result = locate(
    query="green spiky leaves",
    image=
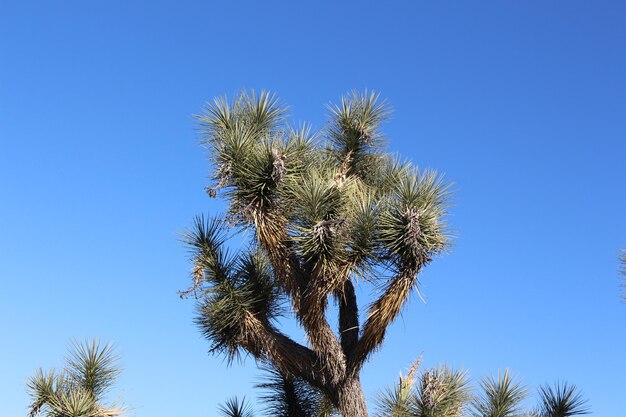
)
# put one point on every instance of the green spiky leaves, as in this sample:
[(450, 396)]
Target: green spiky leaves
[(562, 400), (412, 226), (251, 151), (354, 131), (288, 396), (76, 391), (260, 114), (236, 408), (322, 210), (231, 288), (93, 367), (502, 397), (444, 392), (437, 392), (342, 202)]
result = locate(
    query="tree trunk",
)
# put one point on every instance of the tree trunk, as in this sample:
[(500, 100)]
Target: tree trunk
[(351, 400)]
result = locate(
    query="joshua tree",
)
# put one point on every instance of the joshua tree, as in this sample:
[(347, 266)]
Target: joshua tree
[(323, 210), (501, 397), (236, 408), (438, 392), (77, 390), (443, 392), (561, 401)]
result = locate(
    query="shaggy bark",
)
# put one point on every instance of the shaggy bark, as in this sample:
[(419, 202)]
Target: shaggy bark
[(350, 398), (348, 318), (382, 313)]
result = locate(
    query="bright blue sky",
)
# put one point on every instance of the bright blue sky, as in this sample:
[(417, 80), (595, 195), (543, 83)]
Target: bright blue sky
[(520, 103)]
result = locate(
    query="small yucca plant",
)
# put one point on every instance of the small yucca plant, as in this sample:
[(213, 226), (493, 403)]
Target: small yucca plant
[(78, 389), (562, 400), (437, 392), (501, 396), (443, 392)]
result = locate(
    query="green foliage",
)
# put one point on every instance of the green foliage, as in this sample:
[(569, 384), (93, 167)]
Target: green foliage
[(501, 397), (320, 210), (411, 226), (398, 400), (76, 391), (562, 400), (263, 166), (283, 396), (229, 287), (438, 392), (354, 132), (443, 392), (341, 203), (288, 396), (235, 408), (91, 367)]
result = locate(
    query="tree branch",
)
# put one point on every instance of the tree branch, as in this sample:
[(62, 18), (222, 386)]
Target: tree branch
[(348, 318), (308, 303), (265, 342), (321, 336), (274, 240), (382, 313)]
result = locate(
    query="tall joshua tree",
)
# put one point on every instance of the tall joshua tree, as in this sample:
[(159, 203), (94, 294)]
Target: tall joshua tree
[(323, 210)]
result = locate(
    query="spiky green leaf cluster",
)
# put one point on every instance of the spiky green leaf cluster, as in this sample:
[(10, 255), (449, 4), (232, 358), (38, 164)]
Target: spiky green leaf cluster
[(412, 225), (231, 287), (346, 203), (397, 400), (282, 396), (288, 396), (443, 392), (236, 408), (354, 132), (76, 391), (562, 400), (438, 392), (502, 396)]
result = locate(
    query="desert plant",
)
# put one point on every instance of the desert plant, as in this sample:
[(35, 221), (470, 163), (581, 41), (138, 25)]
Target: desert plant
[(443, 392), (501, 397), (562, 400), (323, 210), (397, 400), (282, 396), (288, 396), (437, 392), (236, 408), (77, 390)]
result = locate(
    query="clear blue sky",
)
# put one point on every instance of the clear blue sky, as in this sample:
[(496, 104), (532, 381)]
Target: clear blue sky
[(521, 103)]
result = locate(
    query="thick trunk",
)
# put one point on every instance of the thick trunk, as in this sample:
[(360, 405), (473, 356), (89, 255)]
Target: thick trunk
[(350, 398)]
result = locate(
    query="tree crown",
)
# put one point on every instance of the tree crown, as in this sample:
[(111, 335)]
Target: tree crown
[(323, 209)]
